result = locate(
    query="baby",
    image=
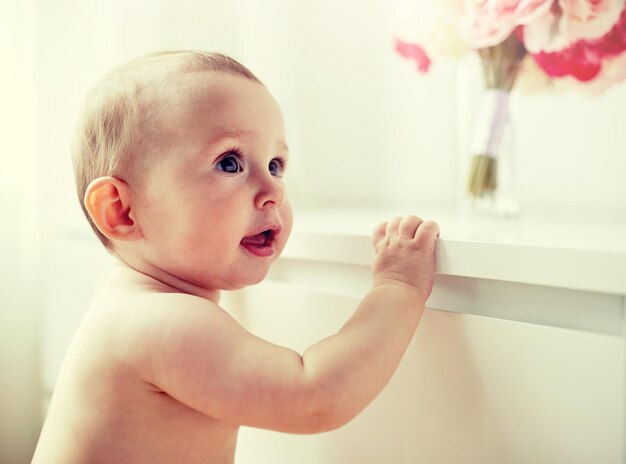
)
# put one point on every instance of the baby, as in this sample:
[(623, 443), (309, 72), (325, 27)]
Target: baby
[(179, 160)]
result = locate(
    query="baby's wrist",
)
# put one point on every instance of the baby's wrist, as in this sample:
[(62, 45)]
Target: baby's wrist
[(402, 286)]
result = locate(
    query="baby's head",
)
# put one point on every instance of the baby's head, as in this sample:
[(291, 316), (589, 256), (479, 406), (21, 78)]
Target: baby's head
[(179, 159), (118, 114)]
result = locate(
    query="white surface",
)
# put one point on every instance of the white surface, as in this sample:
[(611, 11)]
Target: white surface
[(581, 256)]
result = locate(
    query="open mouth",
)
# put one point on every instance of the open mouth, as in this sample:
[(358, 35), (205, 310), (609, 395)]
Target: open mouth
[(261, 244)]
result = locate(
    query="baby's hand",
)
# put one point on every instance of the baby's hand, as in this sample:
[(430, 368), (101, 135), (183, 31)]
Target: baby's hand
[(405, 253)]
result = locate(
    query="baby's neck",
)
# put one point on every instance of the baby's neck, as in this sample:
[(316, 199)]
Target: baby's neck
[(144, 274)]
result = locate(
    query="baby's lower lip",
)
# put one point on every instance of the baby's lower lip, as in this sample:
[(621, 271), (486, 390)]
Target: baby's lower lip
[(262, 251)]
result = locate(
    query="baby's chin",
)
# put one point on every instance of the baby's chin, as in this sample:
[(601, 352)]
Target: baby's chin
[(252, 280), (247, 279)]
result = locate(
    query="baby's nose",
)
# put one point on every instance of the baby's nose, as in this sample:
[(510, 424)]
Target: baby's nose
[(271, 194)]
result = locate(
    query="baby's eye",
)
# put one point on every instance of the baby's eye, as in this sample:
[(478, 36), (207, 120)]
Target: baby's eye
[(277, 167), (229, 164)]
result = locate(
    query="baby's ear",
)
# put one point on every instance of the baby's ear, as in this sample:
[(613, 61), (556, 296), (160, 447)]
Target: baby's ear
[(108, 201)]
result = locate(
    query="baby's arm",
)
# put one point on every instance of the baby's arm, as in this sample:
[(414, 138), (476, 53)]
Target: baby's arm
[(204, 359), (360, 359)]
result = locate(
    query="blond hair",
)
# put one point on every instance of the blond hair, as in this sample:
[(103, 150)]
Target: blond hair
[(117, 111)]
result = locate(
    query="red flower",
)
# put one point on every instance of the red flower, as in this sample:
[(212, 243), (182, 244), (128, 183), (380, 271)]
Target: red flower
[(414, 52)]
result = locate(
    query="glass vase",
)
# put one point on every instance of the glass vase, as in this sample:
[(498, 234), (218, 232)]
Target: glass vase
[(488, 179)]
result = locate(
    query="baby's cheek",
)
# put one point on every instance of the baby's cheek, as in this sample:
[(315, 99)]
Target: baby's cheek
[(286, 214)]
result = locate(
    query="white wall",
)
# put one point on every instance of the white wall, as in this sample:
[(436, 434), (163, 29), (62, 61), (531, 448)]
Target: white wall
[(364, 129), (19, 238)]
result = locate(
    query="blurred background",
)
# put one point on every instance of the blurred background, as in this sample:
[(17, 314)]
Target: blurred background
[(365, 130)]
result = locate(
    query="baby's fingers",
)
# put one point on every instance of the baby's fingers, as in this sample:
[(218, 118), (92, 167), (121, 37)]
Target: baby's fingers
[(393, 227), (409, 226), (427, 233), (384, 231), (379, 234)]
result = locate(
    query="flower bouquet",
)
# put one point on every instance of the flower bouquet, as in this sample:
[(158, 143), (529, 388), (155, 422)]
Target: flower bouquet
[(527, 44)]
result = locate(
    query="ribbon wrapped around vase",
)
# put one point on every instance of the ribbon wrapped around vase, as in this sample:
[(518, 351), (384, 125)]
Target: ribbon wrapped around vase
[(491, 122)]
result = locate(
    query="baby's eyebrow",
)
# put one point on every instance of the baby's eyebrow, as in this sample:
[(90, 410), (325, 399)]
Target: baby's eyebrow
[(282, 145), (233, 134), (229, 134)]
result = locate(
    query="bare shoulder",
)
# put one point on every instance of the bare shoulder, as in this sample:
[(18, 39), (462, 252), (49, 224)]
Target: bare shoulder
[(140, 324)]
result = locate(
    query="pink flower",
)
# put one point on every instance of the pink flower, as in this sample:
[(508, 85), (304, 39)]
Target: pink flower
[(584, 59), (414, 52), (568, 21), (589, 19), (489, 22)]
